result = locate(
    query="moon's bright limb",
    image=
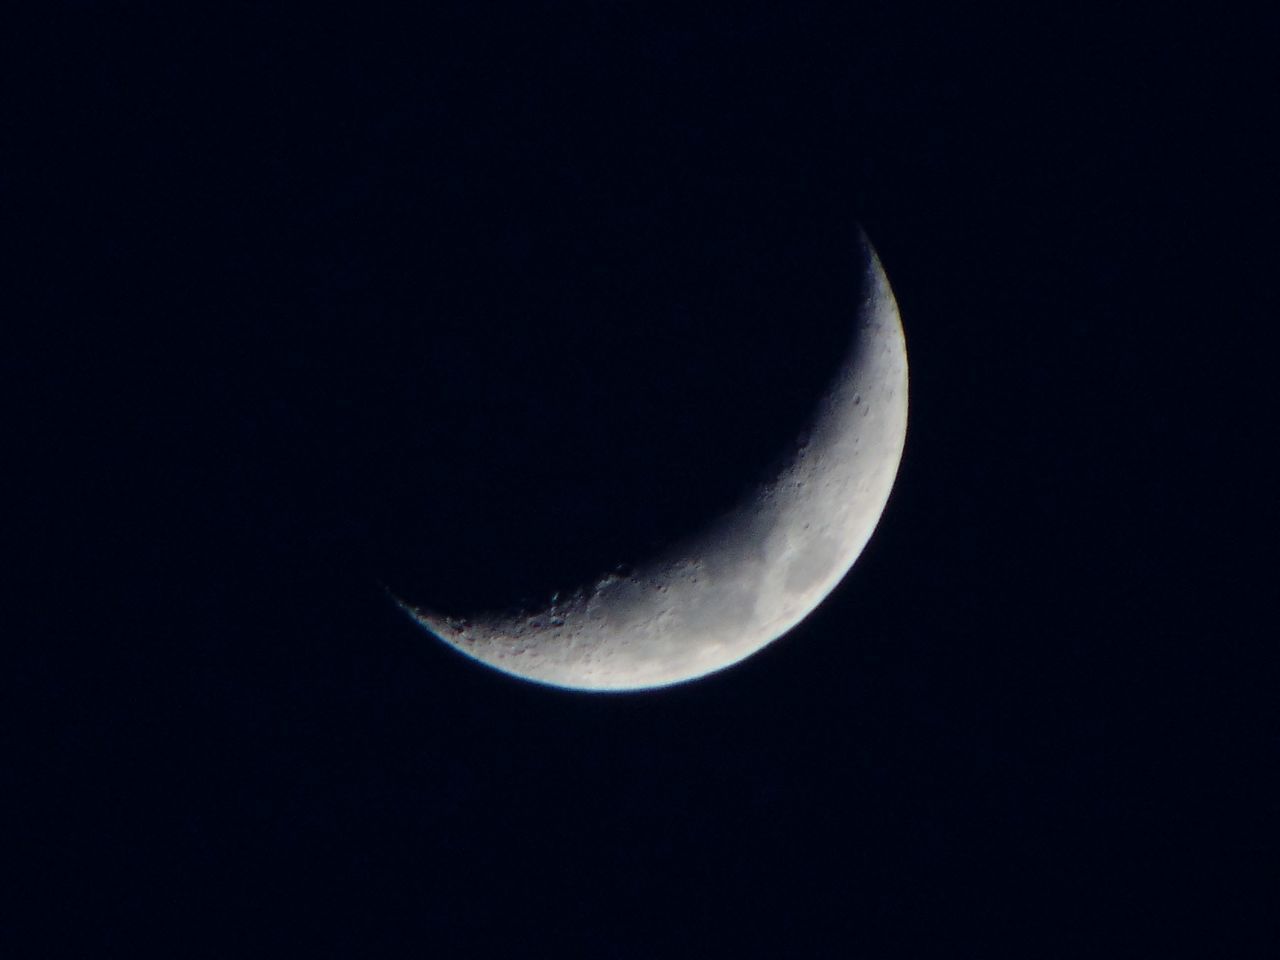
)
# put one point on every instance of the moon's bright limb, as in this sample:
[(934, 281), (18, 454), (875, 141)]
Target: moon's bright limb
[(751, 576)]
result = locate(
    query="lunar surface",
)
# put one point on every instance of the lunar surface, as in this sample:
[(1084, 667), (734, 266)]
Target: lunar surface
[(746, 578)]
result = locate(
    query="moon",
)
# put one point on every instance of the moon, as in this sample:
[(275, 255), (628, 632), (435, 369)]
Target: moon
[(746, 578)]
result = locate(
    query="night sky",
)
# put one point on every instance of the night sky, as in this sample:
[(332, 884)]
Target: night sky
[(478, 304)]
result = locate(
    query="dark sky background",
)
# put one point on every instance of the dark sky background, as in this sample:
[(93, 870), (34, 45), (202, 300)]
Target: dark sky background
[(478, 304)]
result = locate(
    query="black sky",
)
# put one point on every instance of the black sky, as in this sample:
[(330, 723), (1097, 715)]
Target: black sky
[(475, 302)]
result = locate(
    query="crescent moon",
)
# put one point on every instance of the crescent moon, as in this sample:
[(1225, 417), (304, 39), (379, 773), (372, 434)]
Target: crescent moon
[(731, 589)]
